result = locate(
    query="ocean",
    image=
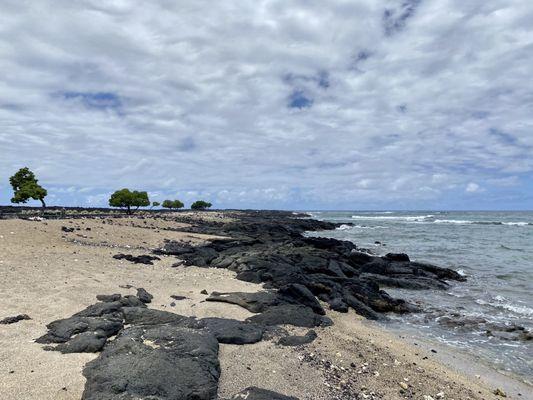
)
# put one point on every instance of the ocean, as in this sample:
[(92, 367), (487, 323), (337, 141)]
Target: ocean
[(491, 314)]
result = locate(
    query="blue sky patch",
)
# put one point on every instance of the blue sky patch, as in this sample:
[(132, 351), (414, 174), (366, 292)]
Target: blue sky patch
[(299, 100), (97, 100)]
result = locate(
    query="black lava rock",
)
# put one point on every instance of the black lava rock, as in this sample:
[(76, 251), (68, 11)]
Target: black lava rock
[(162, 362), (142, 259), (144, 296), (15, 319), (255, 393), (298, 340), (230, 331)]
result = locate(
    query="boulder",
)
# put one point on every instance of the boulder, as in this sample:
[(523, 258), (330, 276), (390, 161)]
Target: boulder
[(299, 294), (15, 319), (148, 316), (109, 298), (144, 296), (397, 257), (230, 331), (163, 362), (290, 314), (60, 331), (86, 342), (254, 302)]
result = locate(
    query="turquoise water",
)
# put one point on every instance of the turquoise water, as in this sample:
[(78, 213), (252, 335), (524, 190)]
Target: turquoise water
[(494, 250)]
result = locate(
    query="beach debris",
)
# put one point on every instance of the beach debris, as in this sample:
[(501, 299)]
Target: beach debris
[(403, 385), (14, 319), (67, 229), (499, 392), (440, 395), (142, 259)]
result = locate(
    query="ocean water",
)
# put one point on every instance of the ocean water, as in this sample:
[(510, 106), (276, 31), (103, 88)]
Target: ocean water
[(490, 315)]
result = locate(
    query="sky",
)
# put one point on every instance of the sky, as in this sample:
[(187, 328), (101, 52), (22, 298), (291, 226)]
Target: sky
[(291, 104)]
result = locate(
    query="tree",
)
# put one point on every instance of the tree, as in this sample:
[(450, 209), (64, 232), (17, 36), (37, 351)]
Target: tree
[(127, 199), (177, 204), (170, 204), (200, 205), (26, 186), (155, 204)]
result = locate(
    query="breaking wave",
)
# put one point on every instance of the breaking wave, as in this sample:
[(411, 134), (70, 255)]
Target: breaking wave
[(417, 218), (430, 218)]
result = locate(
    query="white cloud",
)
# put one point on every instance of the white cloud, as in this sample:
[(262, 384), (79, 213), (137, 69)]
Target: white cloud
[(191, 98), (472, 187)]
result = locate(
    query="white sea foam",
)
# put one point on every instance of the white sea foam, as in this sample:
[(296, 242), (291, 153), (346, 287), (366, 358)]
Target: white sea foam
[(501, 302), (415, 218), (467, 222), (453, 221), (344, 227)]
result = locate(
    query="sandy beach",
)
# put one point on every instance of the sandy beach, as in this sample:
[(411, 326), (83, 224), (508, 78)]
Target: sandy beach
[(50, 273)]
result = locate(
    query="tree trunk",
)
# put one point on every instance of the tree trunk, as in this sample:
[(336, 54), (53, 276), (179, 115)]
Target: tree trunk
[(129, 210), (43, 203)]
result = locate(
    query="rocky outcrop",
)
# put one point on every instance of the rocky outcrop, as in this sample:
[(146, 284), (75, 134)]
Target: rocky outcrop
[(155, 354), (271, 248)]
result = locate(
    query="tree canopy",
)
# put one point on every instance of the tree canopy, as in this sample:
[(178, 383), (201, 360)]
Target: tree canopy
[(26, 186), (156, 204), (200, 205), (127, 199), (170, 204)]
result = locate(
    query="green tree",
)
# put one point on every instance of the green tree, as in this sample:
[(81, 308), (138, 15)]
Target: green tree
[(155, 204), (167, 204), (200, 205), (177, 204), (26, 186), (127, 199), (170, 204)]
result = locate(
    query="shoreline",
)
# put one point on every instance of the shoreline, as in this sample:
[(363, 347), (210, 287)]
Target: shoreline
[(465, 363), (143, 233)]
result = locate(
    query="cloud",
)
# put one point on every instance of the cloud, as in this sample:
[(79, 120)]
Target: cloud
[(472, 187), (287, 104)]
